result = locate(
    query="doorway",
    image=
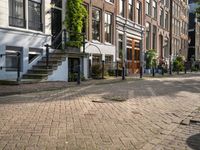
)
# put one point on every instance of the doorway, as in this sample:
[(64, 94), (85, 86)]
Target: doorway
[(56, 26), (73, 69)]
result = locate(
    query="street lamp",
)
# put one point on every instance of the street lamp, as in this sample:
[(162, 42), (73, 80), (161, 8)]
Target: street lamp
[(141, 53)]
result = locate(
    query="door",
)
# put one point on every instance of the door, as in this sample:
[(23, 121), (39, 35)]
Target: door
[(73, 66), (136, 56), (56, 26)]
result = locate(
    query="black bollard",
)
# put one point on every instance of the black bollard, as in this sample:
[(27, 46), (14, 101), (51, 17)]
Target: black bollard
[(123, 73)]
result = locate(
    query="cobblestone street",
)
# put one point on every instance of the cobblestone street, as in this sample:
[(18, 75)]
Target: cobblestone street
[(136, 114)]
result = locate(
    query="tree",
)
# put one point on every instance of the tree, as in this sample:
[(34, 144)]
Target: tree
[(75, 15), (198, 10), (150, 58)]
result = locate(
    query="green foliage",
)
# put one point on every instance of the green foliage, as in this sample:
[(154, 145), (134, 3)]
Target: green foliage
[(150, 58), (74, 18), (178, 64), (74, 76), (198, 10), (96, 71)]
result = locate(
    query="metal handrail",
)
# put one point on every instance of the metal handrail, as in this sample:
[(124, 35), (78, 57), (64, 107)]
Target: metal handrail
[(65, 41)]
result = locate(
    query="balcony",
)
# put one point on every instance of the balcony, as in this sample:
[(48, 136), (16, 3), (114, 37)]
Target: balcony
[(17, 22)]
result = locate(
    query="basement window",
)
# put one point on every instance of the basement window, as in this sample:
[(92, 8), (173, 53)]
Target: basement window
[(12, 58), (33, 54)]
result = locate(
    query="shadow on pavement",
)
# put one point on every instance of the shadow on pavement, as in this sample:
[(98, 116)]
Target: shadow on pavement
[(194, 142), (128, 89)]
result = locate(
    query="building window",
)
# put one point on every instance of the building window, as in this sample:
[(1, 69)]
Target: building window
[(154, 37), (58, 3), (120, 47), (130, 9), (111, 1), (138, 17), (96, 59), (96, 27), (33, 54), (12, 58), (161, 17), (121, 8), (17, 13), (108, 27), (148, 33), (166, 21), (34, 15), (148, 7), (108, 59), (85, 22), (154, 9)]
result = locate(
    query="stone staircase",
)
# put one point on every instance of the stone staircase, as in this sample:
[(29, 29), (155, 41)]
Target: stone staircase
[(40, 72)]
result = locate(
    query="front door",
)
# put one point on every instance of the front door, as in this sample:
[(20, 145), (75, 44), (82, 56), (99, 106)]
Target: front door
[(56, 26), (136, 56), (73, 66)]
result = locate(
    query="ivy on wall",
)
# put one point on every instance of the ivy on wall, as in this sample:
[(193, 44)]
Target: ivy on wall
[(74, 18)]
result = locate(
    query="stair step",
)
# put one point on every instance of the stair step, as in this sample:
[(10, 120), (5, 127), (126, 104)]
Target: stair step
[(34, 76), (41, 71), (41, 66), (50, 61), (30, 81), (54, 58)]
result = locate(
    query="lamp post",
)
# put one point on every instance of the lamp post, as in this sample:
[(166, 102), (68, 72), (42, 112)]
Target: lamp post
[(141, 53), (170, 48)]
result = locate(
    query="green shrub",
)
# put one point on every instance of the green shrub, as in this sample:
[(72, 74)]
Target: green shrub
[(96, 71), (150, 58), (111, 72), (178, 64)]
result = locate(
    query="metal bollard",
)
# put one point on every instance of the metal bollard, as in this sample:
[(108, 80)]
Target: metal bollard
[(102, 69), (123, 73), (79, 76), (18, 66), (116, 73), (153, 72)]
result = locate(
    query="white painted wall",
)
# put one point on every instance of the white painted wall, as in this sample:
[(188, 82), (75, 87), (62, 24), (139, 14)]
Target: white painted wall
[(12, 36), (85, 67), (104, 49), (61, 74)]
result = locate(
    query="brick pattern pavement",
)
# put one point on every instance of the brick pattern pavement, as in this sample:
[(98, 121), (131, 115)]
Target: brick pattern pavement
[(185, 137), (68, 119)]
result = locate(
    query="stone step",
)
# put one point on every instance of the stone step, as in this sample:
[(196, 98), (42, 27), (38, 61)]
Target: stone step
[(42, 66), (55, 58), (30, 81), (40, 71), (59, 62), (34, 76)]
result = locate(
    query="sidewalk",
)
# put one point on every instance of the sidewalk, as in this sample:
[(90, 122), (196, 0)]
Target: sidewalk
[(57, 85)]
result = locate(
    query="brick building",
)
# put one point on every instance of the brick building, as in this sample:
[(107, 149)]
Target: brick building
[(100, 30), (194, 33), (129, 33), (157, 27), (180, 28)]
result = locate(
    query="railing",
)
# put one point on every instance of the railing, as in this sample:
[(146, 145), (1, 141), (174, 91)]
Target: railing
[(18, 54), (17, 22), (63, 34)]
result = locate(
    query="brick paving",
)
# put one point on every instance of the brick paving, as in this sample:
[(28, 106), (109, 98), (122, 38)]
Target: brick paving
[(185, 137), (88, 117)]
